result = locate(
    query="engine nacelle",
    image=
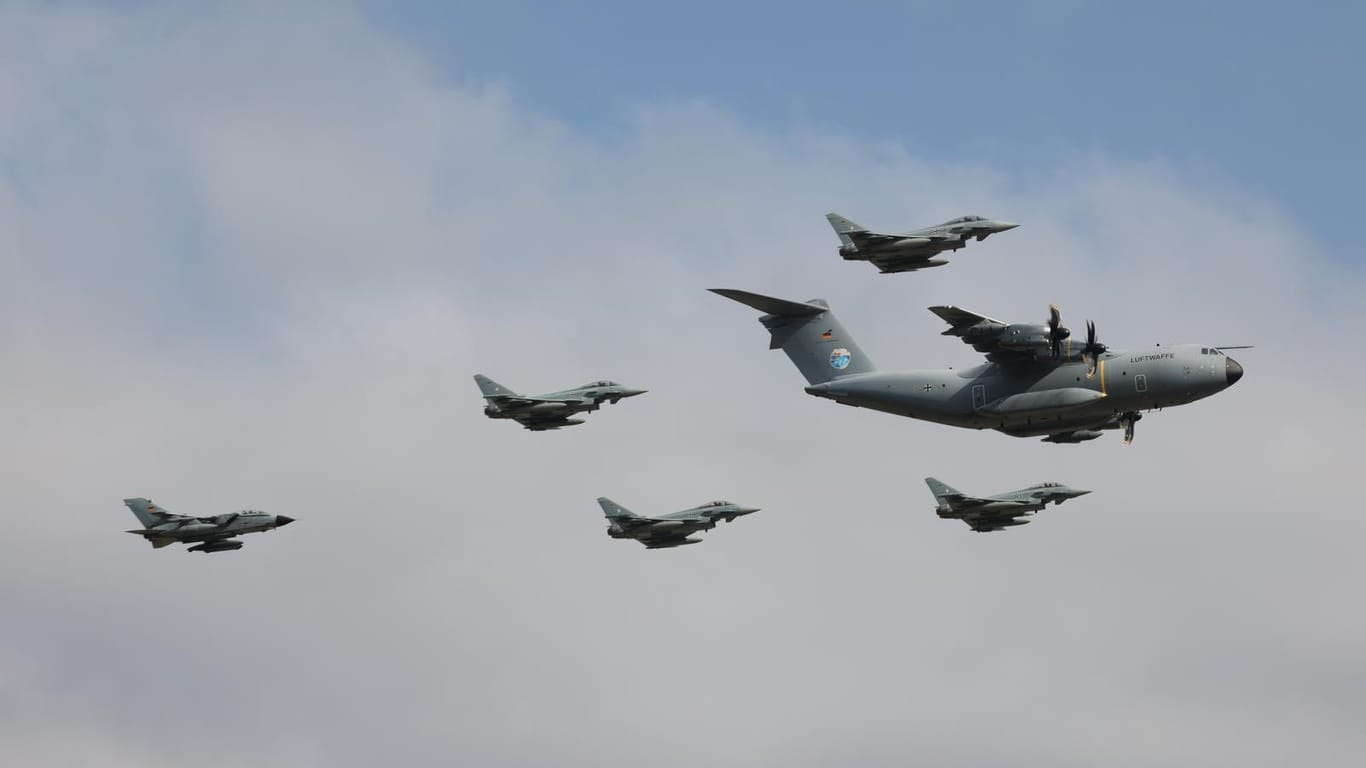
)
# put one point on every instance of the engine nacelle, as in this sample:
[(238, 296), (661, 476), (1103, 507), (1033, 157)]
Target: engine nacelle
[(1025, 336)]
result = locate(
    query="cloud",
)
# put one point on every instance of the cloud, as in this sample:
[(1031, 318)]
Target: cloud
[(253, 259)]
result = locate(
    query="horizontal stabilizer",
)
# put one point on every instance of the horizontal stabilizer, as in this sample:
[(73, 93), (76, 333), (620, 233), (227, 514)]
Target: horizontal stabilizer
[(774, 306)]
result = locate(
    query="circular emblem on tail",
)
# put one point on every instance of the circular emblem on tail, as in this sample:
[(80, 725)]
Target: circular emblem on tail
[(839, 359)]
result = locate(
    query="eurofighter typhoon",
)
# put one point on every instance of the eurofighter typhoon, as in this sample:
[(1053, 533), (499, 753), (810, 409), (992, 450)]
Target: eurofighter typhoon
[(1036, 382), (909, 251), (1004, 510), (214, 534), (550, 411), (671, 530)]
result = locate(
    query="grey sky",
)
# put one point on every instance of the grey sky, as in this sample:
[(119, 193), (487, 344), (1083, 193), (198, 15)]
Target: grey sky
[(252, 259)]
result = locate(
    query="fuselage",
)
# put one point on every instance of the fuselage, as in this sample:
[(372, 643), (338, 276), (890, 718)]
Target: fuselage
[(191, 529), (1043, 397)]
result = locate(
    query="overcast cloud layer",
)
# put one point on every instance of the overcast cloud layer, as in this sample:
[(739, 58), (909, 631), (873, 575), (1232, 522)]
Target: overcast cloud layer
[(251, 259)]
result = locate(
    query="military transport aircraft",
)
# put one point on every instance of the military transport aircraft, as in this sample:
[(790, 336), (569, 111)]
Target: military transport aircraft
[(671, 530), (1036, 381), (909, 251), (550, 411), (996, 513), (160, 527)]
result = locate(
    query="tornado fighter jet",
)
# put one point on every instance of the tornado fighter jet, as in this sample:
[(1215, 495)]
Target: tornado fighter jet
[(551, 411), (1004, 510), (214, 534), (910, 251), (671, 530), (1037, 380)]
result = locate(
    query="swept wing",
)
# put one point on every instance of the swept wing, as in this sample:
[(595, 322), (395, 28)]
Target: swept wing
[(993, 338)]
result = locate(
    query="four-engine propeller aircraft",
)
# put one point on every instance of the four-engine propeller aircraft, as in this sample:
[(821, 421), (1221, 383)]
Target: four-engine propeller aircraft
[(909, 251), (996, 513), (671, 530), (1035, 383), (550, 411), (215, 533)]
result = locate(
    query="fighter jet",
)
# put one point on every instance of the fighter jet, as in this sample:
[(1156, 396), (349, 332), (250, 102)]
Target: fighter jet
[(909, 251), (671, 530), (996, 513), (160, 527), (551, 411), (1036, 381)]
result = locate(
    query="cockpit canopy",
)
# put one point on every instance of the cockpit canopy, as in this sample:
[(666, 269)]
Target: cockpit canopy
[(1050, 485), (965, 219), (717, 504), (602, 383)]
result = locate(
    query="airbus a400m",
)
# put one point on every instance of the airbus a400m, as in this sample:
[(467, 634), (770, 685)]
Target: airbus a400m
[(1037, 382)]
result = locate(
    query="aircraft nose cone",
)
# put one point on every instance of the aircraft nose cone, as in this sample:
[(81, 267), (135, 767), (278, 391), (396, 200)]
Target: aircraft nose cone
[(281, 521), (1233, 370), (1079, 492), (1002, 226)]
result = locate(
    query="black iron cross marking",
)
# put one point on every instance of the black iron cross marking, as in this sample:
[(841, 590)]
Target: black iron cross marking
[(928, 387)]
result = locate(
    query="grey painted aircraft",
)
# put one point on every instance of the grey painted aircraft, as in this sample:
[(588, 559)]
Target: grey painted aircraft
[(996, 513), (909, 251), (550, 411), (671, 530), (1036, 381), (215, 534)]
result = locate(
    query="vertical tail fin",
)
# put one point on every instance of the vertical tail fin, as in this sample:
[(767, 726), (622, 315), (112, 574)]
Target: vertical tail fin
[(145, 511), (843, 227), (611, 509), (941, 490), (809, 333), (491, 388)]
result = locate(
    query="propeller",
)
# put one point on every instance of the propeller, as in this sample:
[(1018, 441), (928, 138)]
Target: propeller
[(1093, 349), (1056, 331), (1127, 420)]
